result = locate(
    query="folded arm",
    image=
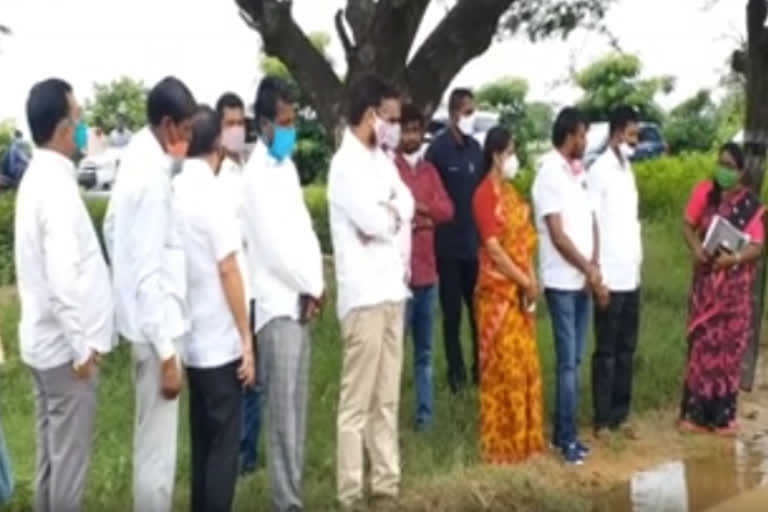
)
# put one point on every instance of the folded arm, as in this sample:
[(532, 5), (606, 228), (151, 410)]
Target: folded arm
[(351, 193)]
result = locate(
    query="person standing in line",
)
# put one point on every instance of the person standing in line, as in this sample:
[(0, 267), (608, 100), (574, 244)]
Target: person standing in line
[(217, 351), (611, 183), (371, 211), (288, 286), (231, 109), (149, 273), (459, 159), (432, 207), (67, 309), (511, 409), (568, 255)]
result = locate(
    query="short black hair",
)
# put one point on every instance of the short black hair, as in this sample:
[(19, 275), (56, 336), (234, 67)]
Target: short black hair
[(170, 98), (496, 140), (47, 106), (567, 123), (457, 97), (229, 100), (410, 113), (620, 117), (271, 90), (368, 92), (206, 130)]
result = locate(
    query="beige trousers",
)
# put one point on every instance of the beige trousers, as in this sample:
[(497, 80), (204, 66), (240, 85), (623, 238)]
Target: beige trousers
[(370, 395)]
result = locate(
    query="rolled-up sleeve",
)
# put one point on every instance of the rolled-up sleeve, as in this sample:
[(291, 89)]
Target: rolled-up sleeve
[(62, 266), (152, 217)]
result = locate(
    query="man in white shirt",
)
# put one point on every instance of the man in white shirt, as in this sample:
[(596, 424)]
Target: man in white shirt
[(614, 196), (231, 109), (286, 268), (66, 299), (568, 258), (370, 212), (217, 350), (148, 268)]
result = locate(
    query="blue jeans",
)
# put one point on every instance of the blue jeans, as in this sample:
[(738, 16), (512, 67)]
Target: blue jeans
[(252, 403), (570, 316), (249, 437), (420, 320)]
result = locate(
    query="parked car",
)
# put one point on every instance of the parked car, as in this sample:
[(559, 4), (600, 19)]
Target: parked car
[(99, 171), (650, 143)]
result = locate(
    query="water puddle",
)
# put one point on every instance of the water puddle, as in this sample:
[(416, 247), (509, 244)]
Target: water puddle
[(693, 485)]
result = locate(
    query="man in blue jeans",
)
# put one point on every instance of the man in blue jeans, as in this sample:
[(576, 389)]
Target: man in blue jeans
[(249, 437), (570, 272), (433, 206)]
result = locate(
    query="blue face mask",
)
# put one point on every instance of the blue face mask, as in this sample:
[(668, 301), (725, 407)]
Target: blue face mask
[(283, 142), (81, 136)]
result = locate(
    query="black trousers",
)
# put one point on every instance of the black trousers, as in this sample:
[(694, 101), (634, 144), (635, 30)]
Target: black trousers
[(457, 282), (215, 418), (612, 363)]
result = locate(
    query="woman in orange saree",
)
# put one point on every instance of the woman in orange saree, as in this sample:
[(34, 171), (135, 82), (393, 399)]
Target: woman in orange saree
[(511, 423)]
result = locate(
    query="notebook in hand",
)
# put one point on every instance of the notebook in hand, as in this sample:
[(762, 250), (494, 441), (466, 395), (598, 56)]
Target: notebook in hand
[(723, 235)]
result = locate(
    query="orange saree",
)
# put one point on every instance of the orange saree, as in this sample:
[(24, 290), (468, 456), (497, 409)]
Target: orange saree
[(511, 420)]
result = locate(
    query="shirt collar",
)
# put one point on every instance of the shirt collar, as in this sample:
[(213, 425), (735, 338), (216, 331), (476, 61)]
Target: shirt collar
[(198, 167), (353, 144), (50, 158)]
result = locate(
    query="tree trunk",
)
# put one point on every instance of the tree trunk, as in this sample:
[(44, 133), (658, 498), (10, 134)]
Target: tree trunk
[(381, 39), (755, 146)]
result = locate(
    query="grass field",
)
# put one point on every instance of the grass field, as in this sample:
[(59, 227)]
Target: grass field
[(441, 468)]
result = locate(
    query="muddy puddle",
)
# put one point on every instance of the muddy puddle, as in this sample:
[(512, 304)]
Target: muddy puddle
[(694, 485)]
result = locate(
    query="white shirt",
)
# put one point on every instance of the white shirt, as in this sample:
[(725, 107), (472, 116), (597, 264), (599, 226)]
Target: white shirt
[(210, 234), (62, 278), (371, 249), (232, 182), (614, 196), (284, 256), (556, 190), (145, 248)]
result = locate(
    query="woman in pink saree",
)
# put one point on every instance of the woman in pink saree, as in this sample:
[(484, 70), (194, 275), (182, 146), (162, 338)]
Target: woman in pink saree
[(721, 313)]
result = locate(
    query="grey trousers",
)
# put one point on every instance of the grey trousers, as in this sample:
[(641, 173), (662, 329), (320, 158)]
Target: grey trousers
[(66, 407), (284, 354), (155, 435)]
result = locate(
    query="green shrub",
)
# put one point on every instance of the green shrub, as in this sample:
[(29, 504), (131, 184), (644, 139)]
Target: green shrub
[(664, 184), (317, 203)]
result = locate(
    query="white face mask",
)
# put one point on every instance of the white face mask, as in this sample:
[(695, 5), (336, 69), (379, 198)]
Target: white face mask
[(387, 134), (466, 124), (511, 167), (626, 151), (233, 139)]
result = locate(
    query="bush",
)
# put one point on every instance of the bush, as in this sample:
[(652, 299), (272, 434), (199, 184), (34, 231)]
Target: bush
[(317, 204), (664, 184)]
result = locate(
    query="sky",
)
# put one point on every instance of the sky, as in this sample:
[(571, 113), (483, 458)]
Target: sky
[(206, 44)]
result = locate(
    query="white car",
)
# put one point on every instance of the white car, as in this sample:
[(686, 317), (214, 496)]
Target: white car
[(99, 171)]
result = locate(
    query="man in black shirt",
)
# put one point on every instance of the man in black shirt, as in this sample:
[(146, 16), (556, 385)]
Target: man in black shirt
[(459, 159)]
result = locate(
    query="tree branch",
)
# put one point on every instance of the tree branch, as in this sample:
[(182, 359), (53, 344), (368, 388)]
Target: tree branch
[(284, 39), (358, 14), (463, 34)]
